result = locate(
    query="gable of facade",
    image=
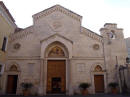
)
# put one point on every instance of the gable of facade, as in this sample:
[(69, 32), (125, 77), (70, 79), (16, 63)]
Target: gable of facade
[(60, 21)]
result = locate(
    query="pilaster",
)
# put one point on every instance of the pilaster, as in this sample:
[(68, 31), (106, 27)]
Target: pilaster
[(71, 92), (40, 91)]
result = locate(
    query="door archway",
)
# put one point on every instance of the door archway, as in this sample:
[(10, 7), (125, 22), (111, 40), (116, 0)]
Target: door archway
[(12, 80), (56, 55), (99, 79)]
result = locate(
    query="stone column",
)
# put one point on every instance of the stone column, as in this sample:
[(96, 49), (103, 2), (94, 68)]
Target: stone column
[(40, 91)]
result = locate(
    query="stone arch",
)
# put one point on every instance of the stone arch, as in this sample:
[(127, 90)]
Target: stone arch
[(56, 38), (97, 65), (14, 67), (98, 77), (12, 78), (63, 51)]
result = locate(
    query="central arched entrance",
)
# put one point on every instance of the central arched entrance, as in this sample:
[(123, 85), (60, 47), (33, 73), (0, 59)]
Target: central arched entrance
[(56, 76), (56, 69)]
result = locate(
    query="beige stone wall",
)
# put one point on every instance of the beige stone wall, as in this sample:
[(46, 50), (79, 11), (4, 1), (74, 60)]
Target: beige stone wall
[(83, 71)]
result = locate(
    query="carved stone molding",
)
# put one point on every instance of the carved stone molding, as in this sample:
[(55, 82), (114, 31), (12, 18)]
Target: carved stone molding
[(21, 34), (59, 9), (91, 34)]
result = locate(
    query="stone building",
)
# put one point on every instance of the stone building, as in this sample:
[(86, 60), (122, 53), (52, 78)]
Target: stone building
[(7, 26), (56, 54)]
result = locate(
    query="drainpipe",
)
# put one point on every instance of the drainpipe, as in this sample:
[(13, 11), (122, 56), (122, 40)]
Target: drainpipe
[(105, 62)]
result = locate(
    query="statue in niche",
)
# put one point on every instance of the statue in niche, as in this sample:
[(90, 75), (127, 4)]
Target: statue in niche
[(56, 52)]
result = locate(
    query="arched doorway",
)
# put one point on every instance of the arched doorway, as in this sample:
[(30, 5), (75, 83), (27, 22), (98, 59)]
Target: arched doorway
[(12, 79), (56, 68), (99, 80)]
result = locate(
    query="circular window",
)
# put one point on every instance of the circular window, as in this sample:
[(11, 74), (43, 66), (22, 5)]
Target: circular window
[(16, 46), (96, 46)]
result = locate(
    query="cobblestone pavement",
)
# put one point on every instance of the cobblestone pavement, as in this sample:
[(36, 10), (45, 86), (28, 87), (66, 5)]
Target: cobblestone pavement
[(96, 95)]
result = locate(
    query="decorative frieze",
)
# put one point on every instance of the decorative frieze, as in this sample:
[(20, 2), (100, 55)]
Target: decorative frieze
[(21, 34), (60, 9), (91, 34)]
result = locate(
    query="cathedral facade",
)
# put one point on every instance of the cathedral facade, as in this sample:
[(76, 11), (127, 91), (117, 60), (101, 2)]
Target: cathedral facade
[(56, 54)]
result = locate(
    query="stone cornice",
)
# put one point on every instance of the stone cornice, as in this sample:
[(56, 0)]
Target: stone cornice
[(91, 34), (87, 58), (21, 34), (59, 9), (38, 58), (23, 57)]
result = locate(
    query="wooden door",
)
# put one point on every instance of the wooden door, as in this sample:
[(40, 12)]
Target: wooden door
[(99, 83), (56, 76), (12, 84)]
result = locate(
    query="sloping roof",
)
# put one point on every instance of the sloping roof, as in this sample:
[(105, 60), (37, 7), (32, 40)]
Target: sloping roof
[(91, 34), (7, 11), (60, 9)]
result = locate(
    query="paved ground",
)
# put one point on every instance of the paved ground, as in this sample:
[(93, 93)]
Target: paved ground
[(96, 95)]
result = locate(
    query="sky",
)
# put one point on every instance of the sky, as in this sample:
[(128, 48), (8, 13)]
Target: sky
[(95, 13)]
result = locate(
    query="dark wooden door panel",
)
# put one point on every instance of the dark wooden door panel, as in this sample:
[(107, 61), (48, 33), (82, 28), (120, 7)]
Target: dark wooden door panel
[(56, 69), (12, 84), (99, 83)]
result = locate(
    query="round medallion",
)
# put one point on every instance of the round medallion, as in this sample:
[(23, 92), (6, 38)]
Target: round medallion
[(17, 46), (57, 25), (96, 46)]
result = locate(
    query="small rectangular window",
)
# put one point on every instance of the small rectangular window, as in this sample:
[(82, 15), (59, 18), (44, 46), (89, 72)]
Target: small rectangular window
[(4, 44)]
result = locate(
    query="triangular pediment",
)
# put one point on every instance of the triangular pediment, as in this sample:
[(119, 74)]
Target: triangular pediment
[(59, 9), (55, 36)]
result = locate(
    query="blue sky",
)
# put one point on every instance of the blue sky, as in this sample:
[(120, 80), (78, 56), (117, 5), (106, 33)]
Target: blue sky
[(95, 12)]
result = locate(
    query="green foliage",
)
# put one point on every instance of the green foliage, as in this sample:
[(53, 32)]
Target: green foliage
[(26, 86), (84, 86), (113, 84)]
